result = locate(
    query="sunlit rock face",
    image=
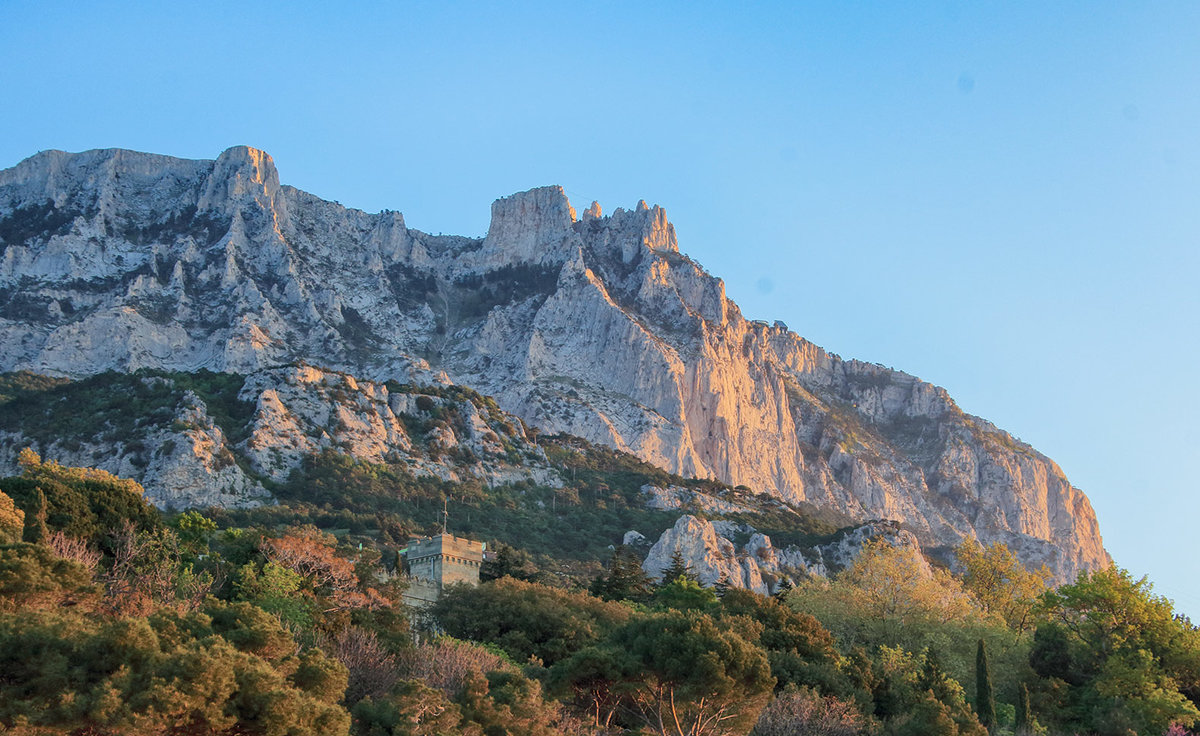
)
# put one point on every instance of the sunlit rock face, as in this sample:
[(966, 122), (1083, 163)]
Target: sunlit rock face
[(712, 554), (597, 326)]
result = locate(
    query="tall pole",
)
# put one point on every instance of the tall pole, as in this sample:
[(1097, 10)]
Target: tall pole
[(445, 513)]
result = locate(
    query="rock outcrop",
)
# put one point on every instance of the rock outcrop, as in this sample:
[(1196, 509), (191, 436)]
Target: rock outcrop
[(713, 555), (184, 458), (597, 327)]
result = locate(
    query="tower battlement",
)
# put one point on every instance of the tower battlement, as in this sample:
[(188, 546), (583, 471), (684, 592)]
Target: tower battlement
[(432, 563)]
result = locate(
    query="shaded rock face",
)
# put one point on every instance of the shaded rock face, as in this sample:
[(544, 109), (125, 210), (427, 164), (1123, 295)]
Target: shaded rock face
[(711, 551), (597, 326)]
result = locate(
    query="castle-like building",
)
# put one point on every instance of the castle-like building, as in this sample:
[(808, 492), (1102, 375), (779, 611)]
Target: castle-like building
[(432, 563)]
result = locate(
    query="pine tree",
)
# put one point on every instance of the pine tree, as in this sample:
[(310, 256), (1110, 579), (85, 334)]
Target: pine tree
[(785, 587), (677, 569), (625, 580), (722, 586), (1024, 725), (985, 697)]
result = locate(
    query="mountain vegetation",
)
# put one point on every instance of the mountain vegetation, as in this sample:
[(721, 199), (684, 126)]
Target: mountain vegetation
[(116, 618)]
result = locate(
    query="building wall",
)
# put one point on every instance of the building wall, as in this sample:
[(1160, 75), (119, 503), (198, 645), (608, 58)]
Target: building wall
[(436, 562)]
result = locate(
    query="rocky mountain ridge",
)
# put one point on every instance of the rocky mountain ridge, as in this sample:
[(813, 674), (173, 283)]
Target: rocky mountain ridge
[(592, 325)]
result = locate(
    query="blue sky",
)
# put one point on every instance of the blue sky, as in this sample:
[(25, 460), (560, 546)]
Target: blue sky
[(1001, 198)]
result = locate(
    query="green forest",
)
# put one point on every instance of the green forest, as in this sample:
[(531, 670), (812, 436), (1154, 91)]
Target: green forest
[(116, 618)]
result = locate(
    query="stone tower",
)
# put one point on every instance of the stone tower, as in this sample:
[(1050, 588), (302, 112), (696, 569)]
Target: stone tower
[(432, 563)]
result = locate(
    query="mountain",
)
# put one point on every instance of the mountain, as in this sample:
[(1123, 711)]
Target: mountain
[(592, 325)]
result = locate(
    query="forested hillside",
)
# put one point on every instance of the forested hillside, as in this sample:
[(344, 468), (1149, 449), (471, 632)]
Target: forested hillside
[(116, 618)]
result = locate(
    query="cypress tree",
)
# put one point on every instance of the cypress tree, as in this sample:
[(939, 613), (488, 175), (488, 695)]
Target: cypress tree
[(35, 523), (1024, 725), (985, 698)]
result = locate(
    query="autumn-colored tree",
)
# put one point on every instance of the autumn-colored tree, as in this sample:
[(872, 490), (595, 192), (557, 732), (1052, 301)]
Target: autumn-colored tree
[(372, 668), (12, 520), (447, 663), (891, 597), (312, 554), (331, 578), (1001, 584), (897, 584)]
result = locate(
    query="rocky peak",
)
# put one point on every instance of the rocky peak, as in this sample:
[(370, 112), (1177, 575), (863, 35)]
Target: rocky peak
[(530, 227), (629, 234), (238, 174)]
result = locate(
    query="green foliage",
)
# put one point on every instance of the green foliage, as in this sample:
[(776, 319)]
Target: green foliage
[(985, 696), (26, 383), (118, 407), (508, 562), (685, 595), (913, 695), (194, 530), (1023, 725), (1125, 661), (410, 709), (625, 581), (83, 503), (203, 671), (508, 704), (888, 597), (673, 673), (801, 652), (275, 589), (33, 578), (476, 295), (527, 619), (678, 568), (38, 221)]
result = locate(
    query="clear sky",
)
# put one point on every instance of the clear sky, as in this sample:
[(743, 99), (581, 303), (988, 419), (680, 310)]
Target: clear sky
[(1001, 198)]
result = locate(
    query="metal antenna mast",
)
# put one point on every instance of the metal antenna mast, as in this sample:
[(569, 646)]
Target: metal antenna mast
[(445, 513)]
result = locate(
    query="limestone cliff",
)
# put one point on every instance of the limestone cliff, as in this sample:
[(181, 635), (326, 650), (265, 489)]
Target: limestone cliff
[(597, 326), (186, 453), (711, 550)]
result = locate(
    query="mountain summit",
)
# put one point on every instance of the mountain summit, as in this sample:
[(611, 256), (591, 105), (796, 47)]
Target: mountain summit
[(596, 326)]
